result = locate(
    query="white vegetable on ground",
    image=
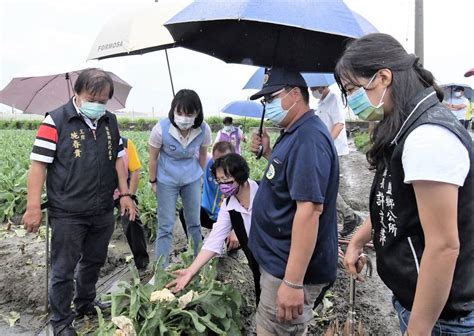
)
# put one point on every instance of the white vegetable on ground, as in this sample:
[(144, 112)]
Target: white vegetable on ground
[(186, 298), (162, 295), (125, 326)]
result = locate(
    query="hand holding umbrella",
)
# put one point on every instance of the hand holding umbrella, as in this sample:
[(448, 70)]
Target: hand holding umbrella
[(261, 142)]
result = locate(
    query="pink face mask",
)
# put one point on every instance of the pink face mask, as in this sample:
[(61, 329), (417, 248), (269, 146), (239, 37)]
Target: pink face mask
[(229, 188)]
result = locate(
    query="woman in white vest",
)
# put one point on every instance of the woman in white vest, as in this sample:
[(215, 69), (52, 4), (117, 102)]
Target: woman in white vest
[(178, 154)]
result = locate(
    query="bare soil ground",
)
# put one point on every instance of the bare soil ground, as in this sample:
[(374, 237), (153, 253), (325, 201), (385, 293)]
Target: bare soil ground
[(22, 269)]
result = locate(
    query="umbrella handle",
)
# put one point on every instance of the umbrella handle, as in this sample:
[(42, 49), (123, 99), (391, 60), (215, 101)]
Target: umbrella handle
[(259, 154)]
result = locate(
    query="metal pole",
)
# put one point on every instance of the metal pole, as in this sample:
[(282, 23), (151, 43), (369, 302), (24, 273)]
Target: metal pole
[(169, 71), (419, 48), (46, 292), (68, 81)]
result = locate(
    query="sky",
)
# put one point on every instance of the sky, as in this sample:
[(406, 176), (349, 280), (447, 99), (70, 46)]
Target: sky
[(41, 37)]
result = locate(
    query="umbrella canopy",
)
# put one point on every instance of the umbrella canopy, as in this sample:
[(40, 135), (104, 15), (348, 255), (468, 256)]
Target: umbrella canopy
[(469, 73), (137, 32), (449, 89), (305, 35), (244, 108), (42, 94), (312, 79)]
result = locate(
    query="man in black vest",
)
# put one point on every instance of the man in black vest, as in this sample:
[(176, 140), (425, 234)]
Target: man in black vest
[(78, 151)]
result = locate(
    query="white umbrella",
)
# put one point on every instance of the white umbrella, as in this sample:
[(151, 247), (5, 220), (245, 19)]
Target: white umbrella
[(137, 32)]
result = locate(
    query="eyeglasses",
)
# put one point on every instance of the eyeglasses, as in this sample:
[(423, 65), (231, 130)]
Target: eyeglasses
[(269, 98), (225, 182), (350, 88)]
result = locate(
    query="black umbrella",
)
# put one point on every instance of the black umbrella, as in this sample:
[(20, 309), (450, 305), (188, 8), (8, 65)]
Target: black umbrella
[(306, 35)]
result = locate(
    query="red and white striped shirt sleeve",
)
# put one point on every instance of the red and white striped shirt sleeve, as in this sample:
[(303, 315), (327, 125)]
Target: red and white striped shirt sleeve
[(44, 147)]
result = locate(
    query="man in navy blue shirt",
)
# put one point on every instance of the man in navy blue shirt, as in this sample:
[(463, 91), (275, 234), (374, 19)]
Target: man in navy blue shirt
[(294, 229)]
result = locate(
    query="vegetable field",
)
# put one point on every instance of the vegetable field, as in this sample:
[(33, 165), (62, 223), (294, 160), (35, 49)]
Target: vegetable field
[(207, 306), (14, 157), (218, 301)]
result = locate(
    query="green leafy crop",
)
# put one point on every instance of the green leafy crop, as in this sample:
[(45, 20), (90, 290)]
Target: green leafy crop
[(205, 307)]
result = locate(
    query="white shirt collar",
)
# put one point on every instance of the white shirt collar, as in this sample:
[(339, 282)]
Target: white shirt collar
[(185, 141), (92, 124), (228, 132), (234, 204)]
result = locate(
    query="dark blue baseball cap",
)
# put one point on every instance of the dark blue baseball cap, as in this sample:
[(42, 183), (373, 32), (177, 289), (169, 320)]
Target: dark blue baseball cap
[(276, 79)]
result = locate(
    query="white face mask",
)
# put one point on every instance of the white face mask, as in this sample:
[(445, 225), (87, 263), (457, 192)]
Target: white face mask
[(228, 128), (457, 94), (184, 123), (316, 94)]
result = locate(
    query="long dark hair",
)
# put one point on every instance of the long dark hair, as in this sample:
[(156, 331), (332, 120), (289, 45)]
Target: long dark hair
[(189, 102), (233, 165), (362, 59)]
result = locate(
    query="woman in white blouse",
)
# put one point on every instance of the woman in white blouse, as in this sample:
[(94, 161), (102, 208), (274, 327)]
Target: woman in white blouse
[(232, 175)]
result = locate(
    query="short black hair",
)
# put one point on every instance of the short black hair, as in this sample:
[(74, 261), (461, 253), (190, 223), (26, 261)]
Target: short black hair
[(223, 146), (93, 81), (187, 101), (227, 120), (233, 165), (459, 88), (304, 92)]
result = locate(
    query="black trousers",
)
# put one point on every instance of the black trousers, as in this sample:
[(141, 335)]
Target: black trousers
[(136, 239), (206, 221), (78, 251)]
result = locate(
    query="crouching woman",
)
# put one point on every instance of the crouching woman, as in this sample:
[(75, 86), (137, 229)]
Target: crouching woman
[(232, 174)]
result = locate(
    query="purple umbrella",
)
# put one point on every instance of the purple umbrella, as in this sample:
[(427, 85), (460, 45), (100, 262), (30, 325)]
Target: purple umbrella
[(42, 94), (469, 73)]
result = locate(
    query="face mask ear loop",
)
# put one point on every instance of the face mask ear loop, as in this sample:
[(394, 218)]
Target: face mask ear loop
[(370, 81), (293, 103), (291, 107), (381, 98)]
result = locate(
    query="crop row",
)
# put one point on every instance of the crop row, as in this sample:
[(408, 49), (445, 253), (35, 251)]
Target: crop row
[(15, 150)]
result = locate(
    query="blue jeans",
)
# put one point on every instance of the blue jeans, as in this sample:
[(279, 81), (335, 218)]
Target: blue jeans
[(167, 196), (456, 327)]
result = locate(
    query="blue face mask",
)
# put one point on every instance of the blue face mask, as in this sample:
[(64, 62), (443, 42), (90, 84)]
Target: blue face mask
[(92, 110), (360, 103), (274, 112)]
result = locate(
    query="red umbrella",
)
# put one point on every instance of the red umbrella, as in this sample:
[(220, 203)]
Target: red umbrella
[(469, 73), (42, 94)]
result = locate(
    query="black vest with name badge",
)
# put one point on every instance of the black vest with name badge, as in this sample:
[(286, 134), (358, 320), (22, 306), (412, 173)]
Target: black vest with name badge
[(82, 178), (398, 234)]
